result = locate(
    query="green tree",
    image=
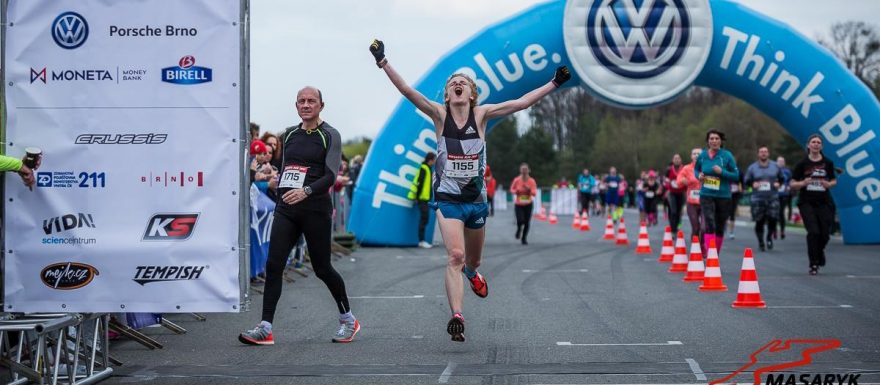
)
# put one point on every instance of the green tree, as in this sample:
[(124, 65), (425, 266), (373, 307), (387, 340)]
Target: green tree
[(535, 147), (501, 142), (357, 146)]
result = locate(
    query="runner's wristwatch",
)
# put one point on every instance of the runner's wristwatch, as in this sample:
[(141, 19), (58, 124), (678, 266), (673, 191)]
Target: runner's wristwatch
[(307, 190)]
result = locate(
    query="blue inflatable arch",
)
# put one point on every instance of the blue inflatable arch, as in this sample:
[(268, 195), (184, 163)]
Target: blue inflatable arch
[(638, 54)]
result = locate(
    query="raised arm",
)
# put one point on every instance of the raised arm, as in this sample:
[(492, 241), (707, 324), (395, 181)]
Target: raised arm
[(506, 108), (432, 109)]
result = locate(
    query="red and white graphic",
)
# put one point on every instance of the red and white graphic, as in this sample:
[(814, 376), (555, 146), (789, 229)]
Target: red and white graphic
[(170, 227), (174, 179)]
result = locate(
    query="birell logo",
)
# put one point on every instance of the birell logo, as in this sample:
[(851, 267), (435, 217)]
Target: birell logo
[(768, 362), (68, 275), (186, 72), (170, 227)]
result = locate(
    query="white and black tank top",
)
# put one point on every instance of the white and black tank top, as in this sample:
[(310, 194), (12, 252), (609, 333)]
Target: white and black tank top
[(461, 162)]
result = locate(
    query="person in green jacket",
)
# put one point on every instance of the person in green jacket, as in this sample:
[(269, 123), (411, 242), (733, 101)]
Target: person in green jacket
[(8, 163), (716, 169), (420, 191)]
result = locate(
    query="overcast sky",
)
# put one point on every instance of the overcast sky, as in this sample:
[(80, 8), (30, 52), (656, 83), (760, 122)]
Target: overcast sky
[(324, 44)]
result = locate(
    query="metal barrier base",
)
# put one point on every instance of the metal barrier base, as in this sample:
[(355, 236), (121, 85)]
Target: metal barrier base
[(55, 348)]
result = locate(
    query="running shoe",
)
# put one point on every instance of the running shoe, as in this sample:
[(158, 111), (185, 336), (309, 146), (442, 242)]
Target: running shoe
[(259, 335), (814, 270), (518, 231), (425, 245), (769, 243), (346, 331), (455, 327), (478, 284)]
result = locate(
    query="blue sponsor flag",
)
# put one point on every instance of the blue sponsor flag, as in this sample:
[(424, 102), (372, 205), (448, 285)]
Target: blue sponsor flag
[(262, 209)]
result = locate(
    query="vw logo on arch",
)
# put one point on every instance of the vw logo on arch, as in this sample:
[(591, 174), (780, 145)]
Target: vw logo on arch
[(70, 30), (638, 53)]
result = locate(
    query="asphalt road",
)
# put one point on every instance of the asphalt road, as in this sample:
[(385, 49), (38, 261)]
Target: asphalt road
[(566, 309)]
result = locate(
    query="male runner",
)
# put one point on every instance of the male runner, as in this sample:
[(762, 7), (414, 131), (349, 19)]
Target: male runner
[(459, 187)]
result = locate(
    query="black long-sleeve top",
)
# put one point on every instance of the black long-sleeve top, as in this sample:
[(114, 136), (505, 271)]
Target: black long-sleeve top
[(320, 151)]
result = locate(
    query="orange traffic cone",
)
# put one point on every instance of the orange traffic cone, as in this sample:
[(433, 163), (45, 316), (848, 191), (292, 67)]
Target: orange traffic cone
[(712, 279), (695, 270), (585, 222), (680, 259), (609, 229), (644, 244), (622, 240), (553, 219), (542, 214), (576, 222), (748, 294), (668, 251)]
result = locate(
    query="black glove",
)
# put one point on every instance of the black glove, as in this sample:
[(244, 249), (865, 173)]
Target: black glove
[(377, 48), (562, 76)]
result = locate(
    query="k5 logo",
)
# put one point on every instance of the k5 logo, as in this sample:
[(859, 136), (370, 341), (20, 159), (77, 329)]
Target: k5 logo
[(170, 227)]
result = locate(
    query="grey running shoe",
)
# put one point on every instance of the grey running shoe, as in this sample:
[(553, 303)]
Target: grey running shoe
[(455, 327), (259, 335), (346, 332)]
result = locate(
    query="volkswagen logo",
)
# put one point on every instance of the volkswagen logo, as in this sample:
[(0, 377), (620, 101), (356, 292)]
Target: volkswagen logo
[(638, 42), (70, 30), (638, 53)]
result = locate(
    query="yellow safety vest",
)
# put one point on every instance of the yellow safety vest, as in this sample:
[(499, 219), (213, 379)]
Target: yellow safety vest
[(425, 193)]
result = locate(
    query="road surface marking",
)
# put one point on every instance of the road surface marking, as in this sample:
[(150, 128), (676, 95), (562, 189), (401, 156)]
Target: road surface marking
[(667, 343), (444, 377), (556, 271), (811, 307), (695, 367)]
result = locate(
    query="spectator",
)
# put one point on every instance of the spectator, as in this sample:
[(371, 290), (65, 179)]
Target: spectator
[(255, 131), (261, 169), (421, 193), (354, 171), (8, 163), (491, 185), (272, 141)]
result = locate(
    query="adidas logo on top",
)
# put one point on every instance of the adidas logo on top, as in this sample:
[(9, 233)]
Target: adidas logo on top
[(480, 221), (469, 131)]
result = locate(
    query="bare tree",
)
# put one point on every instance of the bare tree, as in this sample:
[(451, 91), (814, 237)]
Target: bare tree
[(559, 113), (857, 44)]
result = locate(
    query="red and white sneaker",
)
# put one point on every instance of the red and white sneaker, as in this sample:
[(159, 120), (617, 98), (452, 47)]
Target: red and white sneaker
[(479, 285), (346, 332), (257, 336)]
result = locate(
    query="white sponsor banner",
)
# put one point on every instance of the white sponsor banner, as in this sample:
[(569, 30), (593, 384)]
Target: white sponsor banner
[(564, 201), (500, 198), (136, 106)]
